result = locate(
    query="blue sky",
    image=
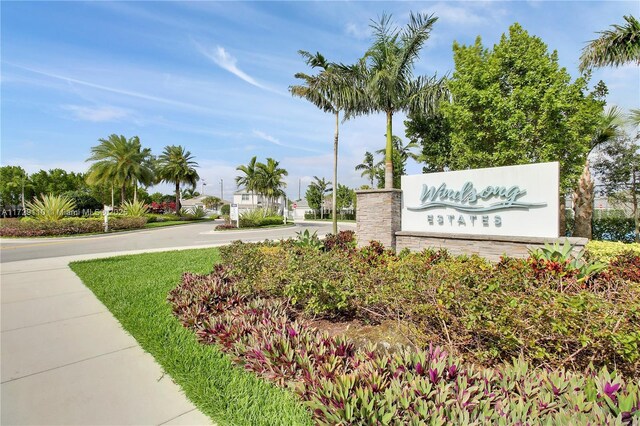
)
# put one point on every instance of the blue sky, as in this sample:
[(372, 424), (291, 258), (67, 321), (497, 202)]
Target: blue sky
[(213, 76)]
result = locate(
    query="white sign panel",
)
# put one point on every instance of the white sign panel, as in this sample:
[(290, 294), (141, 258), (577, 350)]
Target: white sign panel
[(234, 212), (512, 200)]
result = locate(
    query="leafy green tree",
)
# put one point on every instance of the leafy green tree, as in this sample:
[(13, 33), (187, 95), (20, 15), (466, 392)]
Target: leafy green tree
[(270, 180), (615, 47), (387, 75), (432, 133), (514, 104), (119, 161), (177, 166), (57, 182), (15, 187), (618, 169), (249, 178), (345, 197), (332, 91)]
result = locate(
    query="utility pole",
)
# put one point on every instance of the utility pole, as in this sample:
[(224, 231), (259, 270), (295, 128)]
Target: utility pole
[(221, 189), (299, 183)]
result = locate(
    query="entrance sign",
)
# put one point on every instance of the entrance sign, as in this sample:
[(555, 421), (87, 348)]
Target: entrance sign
[(233, 212), (513, 200)]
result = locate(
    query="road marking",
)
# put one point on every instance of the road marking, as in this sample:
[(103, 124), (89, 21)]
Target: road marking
[(33, 245)]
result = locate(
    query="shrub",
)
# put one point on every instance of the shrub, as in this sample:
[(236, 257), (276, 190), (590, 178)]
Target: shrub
[(257, 218), (345, 385), (199, 213), (50, 207), (344, 240), (225, 226), (605, 251), (84, 202), (66, 226), (613, 228), (225, 209), (486, 312), (134, 208)]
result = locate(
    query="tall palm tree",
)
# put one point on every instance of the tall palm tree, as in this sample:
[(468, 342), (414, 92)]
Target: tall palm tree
[(583, 196), (368, 167), (177, 166), (331, 91), (248, 180), (119, 161), (387, 76), (270, 181), (615, 47)]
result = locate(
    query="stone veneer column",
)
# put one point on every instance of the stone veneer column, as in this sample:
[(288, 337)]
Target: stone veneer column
[(378, 216)]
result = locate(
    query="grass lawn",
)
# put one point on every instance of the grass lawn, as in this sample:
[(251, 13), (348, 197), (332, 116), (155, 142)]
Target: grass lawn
[(134, 289)]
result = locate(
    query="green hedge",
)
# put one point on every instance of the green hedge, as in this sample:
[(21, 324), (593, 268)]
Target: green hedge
[(67, 226), (613, 229)]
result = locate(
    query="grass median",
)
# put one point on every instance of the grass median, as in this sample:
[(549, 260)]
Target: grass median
[(134, 289)]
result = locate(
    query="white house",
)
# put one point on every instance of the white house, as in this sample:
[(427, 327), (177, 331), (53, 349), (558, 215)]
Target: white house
[(193, 203), (247, 201), (301, 208)]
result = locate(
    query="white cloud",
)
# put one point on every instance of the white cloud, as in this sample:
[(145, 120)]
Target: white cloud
[(275, 141), (96, 114), (357, 31), (456, 15), (227, 62)]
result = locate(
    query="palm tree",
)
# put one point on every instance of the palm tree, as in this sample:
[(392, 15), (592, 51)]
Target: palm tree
[(332, 92), (615, 47), (400, 155), (634, 117), (177, 166), (189, 193), (387, 76), (368, 167), (322, 185), (583, 197), (249, 180), (120, 161), (270, 181)]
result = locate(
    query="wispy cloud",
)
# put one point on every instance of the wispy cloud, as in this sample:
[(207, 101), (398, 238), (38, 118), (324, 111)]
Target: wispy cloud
[(276, 141), (116, 90), (227, 62), (96, 114)]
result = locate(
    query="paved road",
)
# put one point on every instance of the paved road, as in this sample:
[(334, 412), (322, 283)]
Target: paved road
[(192, 235), (65, 358)]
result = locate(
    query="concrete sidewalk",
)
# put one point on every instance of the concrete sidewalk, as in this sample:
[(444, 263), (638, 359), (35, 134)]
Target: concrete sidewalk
[(66, 359)]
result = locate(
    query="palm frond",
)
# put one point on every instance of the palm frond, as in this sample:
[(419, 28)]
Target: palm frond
[(617, 46)]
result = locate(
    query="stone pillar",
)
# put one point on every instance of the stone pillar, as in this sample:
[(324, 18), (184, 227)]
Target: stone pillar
[(378, 216)]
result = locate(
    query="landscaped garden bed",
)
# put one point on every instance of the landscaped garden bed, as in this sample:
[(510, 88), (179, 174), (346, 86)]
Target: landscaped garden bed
[(546, 339), (27, 227)]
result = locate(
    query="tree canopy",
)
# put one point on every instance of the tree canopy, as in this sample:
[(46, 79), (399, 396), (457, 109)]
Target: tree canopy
[(514, 104)]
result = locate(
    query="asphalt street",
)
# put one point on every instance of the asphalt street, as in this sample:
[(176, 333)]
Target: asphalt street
[(191, 235)]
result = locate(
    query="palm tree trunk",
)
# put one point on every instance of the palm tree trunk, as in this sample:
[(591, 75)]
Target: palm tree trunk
[(583, 204), (388, 158), (562, 225), (123, 192), (177, 197), (112, 199), (334, 196), (135, 191), (634, 200)]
